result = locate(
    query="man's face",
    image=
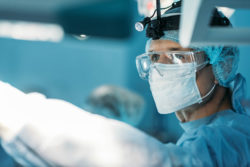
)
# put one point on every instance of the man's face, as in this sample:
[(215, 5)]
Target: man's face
[(204, 78)]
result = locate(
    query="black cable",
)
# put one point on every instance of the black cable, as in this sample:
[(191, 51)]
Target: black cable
[(153, 14), (161, 9)]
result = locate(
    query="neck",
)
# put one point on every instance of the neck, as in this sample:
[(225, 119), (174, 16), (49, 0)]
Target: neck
[(221, 100)]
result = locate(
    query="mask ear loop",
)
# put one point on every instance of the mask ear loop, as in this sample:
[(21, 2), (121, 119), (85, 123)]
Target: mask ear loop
[(199, 67), (208, 94)]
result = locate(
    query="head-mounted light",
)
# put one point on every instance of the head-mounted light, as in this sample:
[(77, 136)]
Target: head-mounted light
[(156, 26)]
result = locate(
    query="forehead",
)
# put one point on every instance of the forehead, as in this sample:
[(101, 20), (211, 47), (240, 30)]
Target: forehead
[(166, 45)]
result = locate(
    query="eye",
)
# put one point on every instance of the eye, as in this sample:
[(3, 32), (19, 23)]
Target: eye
[(155, 57), (180, 56)]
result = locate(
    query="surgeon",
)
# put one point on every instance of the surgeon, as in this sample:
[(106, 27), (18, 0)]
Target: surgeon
[(199, 84), (194, 83)]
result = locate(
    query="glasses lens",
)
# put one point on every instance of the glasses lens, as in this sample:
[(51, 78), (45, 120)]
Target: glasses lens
[(201, 59), (170, 57), (143, 65), (176, 59)]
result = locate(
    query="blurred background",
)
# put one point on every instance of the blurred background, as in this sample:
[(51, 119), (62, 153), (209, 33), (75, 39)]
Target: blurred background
[(98, 48)]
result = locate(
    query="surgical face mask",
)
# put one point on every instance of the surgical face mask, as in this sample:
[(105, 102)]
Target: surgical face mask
[(174, 87)]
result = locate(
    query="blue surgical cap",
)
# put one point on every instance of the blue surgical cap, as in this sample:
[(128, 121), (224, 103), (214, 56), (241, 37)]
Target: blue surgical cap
[(224, 59)]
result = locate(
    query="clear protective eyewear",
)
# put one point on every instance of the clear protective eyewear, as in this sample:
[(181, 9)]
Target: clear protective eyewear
[(147, 61)]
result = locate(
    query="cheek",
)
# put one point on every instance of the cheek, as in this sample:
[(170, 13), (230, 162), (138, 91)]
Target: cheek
[(205, 80)]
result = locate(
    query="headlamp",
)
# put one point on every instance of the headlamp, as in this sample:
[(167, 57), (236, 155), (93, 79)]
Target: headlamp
[(155, 27), (139, 26)]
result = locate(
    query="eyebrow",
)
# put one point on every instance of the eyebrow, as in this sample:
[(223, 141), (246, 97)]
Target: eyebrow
[(170, 49), (174, 49)]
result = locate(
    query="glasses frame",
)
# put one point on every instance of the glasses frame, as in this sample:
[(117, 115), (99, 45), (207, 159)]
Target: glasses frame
[(195, 57)]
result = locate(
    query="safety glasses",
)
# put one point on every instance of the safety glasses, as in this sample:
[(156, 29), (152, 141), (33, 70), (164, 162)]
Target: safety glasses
[(175, 59)]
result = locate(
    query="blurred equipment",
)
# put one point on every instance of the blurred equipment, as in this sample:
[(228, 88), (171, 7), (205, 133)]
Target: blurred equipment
[(117, 103), (91, 17), (196, 30), (31, 31), (147, 7)]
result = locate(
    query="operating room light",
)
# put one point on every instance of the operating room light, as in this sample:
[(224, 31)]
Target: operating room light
[(83, 36), (31, 31), (228, 12)]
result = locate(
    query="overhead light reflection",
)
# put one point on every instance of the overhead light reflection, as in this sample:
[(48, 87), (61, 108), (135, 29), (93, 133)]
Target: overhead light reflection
[(31, 31), (81, 37)]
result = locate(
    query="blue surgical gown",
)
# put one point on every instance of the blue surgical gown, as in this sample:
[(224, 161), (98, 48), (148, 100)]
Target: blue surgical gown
[(222, 139)]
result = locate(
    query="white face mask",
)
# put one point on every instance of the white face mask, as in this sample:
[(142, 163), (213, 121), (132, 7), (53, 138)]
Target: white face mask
[(174, 86)]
